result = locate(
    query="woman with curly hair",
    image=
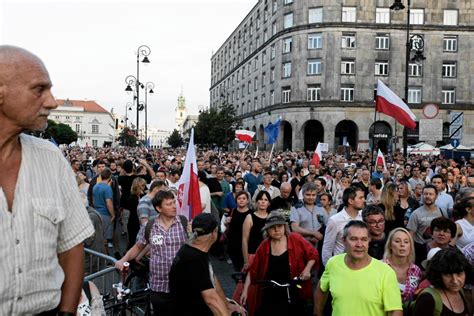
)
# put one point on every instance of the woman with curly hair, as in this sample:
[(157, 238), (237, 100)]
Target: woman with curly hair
[(447, 273)]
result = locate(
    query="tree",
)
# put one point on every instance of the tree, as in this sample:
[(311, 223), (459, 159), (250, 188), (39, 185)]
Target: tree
[(175, 140), (127, 137), (61, 133), (216, 126)]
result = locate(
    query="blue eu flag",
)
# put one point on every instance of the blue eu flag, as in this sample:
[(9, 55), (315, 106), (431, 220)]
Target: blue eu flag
[(272, 131)]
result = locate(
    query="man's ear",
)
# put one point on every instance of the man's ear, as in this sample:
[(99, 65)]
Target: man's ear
[(2, 93)]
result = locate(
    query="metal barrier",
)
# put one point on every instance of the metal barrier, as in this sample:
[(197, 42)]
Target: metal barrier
[(100, 269)]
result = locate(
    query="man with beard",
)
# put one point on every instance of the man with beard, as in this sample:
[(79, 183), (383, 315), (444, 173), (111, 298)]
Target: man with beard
[(419, 224)]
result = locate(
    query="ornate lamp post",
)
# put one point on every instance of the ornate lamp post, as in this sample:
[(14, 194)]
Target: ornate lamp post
[(149, 86), (415, 43), (142, 51)]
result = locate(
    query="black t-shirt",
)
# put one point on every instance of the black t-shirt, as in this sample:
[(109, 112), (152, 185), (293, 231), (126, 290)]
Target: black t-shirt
[(377, 248), (189, 276)]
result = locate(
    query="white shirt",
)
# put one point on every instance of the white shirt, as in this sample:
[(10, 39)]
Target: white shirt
[(333, 244), (48, 217)]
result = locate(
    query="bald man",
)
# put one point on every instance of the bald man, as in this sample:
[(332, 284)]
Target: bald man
[(42, 219)]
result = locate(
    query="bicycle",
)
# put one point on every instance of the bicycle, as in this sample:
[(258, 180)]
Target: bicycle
[(132, 295)]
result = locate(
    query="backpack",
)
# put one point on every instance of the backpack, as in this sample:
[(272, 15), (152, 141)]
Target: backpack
[(149, 225), (409, 307)]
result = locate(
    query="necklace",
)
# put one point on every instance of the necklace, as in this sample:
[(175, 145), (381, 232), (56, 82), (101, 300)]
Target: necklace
[(447, 297)]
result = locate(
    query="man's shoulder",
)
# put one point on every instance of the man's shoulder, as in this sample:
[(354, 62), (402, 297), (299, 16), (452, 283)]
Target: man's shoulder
[(40, 146)]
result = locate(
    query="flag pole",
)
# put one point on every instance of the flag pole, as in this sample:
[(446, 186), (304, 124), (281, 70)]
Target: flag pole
[(271, 153), (373, 139)]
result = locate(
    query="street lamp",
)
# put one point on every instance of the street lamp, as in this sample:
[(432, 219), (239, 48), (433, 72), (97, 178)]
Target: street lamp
[(128, 107), (149, 86), (416, 43), (142, 51)]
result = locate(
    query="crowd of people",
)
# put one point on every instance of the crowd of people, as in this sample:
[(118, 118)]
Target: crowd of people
[(363, 237), (342, 237)]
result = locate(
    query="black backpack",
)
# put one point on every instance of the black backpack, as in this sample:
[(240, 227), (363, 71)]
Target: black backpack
[(149, 225)]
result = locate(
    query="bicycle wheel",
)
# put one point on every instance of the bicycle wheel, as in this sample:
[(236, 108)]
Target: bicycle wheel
[(136, 281)]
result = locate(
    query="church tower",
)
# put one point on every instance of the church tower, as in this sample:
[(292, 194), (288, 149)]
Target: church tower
[(181, 113)]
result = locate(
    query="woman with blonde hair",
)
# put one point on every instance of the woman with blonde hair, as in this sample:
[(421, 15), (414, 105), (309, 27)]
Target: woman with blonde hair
[(394, 214), (400, 256), (136, 192)]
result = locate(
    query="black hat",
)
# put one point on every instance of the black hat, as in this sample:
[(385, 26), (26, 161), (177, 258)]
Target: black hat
[(274, 218), (204, 224)]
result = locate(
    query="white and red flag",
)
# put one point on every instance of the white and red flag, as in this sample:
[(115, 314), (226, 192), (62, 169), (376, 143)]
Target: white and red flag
[(244, 135), (389, 103), (317, 156), (189, 199), (381, 160)]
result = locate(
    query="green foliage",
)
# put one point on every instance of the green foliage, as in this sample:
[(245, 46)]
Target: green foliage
[(216, 126), (127, 137), (175, 140), (61, 133)]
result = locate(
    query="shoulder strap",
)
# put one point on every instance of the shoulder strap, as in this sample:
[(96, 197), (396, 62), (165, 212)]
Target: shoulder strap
[(87, 290), (184, 223), (437, 298), (148, 227), (441, 211)]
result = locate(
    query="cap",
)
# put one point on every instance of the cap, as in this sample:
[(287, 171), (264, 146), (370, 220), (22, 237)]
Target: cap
[(430, 256), (204, 224), (274, 218)]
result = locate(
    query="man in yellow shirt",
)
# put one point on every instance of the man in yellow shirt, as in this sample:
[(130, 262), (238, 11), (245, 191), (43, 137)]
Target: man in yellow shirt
[(359, 284)]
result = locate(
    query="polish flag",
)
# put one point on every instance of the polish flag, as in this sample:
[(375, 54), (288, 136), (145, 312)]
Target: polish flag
[(389, 103), (189, 198), (317, 156), (381, 160), (244, 135)]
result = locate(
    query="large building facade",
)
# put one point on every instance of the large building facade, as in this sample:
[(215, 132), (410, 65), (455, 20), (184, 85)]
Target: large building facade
[(315, 64), (94, 125)]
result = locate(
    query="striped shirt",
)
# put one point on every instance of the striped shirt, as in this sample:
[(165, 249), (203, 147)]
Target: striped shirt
[(47, 218), (164, 245)]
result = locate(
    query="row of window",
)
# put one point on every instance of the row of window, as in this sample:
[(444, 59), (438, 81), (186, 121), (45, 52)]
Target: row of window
[(313, 94), (315, 15), (348, 67), (315, 41)]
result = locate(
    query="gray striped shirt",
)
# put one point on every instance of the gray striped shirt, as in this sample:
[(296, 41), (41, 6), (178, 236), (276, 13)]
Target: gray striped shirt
[(48, 217)]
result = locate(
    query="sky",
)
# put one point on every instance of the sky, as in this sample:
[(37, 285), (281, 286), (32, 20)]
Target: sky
[(89, 47)]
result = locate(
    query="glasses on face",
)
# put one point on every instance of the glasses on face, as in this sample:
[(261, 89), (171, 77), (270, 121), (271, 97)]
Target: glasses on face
[(376, 223)]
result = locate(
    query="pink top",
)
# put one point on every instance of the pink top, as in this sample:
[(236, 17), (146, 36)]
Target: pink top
[(412, 281)]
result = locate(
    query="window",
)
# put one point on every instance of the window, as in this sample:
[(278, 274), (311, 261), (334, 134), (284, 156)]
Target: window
[(288, 20), (382, 41), (448, 96), (314, 67), (450, 43), (348, 67), (255, 65), (265, 35), (347, 93), (272, 74), (255, 84), (348, 14), (414, 95), (315, 15), (255, 103), (94, 143), (417, 16), (286, 95), (274, 6), (348, 40), (95, 129), (415, 70), (382, 15), (272, 52), (68, 117), (450, 17), (272, 97), (313, 93), (264, 57), (249, 85), (264, 78), (274, 28), (264, 101), (78, 128), (315, 41), (381, 68), (238, 93), (243, 90), (285, 2), (286, 70), (449, 69), (287, 44)]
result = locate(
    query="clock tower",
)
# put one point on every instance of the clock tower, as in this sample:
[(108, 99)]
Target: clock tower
[(181, 113)]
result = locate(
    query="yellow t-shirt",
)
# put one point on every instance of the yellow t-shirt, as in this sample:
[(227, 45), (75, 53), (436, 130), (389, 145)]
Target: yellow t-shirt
[(371, 291)]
